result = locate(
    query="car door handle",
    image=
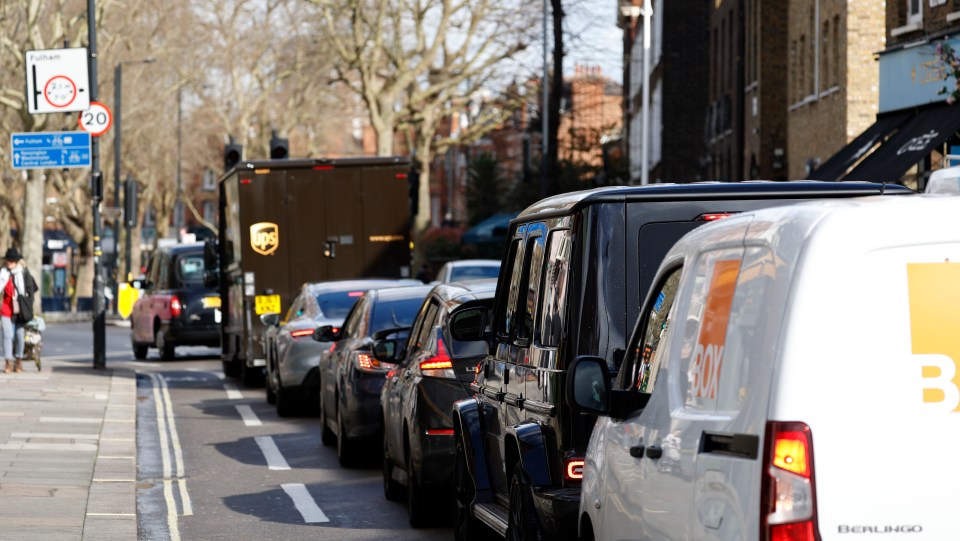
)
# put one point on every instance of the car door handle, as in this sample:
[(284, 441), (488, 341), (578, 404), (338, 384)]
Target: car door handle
[(654, 452), (636, 451)]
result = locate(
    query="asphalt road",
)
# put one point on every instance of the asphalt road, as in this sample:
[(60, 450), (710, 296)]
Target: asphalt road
[(216, 462)]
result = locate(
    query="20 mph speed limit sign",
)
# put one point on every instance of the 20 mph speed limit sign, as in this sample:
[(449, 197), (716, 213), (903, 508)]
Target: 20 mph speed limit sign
[(96, 120)]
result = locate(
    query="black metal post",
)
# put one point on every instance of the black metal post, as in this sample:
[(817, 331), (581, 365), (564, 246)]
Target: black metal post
[(99, 318), (127, 192), (117, 143), (178, 212)]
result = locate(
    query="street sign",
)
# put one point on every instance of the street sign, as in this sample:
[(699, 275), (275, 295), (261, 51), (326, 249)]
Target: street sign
[(57, 80), (96, 120), (50, 150)]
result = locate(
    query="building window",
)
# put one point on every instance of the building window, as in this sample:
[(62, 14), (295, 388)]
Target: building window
[(792, 84), (914, 11), (209, 180), (802, 68), (210, 212), (825, 56), (837, 68)]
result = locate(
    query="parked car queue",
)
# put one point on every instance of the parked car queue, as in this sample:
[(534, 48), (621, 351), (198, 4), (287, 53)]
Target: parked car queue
[(706, 429)]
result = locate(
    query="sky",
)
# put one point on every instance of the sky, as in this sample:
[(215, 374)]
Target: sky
[(595, 38)]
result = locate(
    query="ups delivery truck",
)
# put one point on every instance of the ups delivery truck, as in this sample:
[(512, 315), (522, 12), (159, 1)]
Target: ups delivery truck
[(283, 223)]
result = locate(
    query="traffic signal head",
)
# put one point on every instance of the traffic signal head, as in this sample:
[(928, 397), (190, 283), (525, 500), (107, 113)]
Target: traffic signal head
[(130, 202), (232, 154), (279, 148), (413, 185)]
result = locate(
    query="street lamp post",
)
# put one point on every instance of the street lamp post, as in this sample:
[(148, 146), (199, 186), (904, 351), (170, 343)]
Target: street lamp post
[(117, 145), (178, 209)]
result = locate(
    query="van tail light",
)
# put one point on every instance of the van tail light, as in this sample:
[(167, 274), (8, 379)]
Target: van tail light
[(365, 362), (788, 495), (175, 307), (301, 333), (713, 216), (440, 365), (573, 469)]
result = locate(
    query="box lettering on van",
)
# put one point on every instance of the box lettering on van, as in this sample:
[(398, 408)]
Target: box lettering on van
[(934, 290), (707, 359)]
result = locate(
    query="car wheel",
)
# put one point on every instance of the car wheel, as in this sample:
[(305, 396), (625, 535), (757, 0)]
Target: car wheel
[(164, 345), (466, 527), (327, 437), (523, 524), (391, 489), (346, 453), (287, 404), (140, 351), (417, 504)]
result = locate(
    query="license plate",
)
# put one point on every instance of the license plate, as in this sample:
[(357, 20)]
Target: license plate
[(211, 302), (267, 303)]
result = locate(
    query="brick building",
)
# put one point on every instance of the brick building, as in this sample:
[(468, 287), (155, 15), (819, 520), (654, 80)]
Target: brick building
[(678, 88), (833, 77), (917, 120), (593, 116)]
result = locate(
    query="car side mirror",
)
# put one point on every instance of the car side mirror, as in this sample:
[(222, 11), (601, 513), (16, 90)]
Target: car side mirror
[(326, 333), (386, 350), (270, 319), (468, 324), (588, 385)]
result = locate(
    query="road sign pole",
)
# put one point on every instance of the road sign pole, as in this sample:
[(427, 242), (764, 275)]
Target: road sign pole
[(96, 185), (117, 142)]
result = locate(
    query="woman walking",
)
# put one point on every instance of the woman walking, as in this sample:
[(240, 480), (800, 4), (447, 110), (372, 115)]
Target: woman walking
[(15, 281)]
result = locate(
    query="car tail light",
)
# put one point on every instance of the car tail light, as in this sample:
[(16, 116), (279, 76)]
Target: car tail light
[(440, 365), (175, 307), (573, 469), (366, 362), (355, 294), (439, 431), (788, 495), (713, 216), (301, 333)]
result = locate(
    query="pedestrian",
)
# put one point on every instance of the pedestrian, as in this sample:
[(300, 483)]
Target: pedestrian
[(17, 287)]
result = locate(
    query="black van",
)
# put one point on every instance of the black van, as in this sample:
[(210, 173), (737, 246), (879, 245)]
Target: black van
[(575, 271)]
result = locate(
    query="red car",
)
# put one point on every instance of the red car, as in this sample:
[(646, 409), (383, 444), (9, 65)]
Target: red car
[(175, 307)]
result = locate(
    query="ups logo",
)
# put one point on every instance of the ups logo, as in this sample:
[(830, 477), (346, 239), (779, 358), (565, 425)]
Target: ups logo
[(264, 238)]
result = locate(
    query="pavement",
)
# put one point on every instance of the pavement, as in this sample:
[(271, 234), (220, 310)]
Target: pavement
[(68, 452)]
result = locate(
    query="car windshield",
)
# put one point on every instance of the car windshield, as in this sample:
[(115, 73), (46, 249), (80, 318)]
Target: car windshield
[(394, 313), (337, 304), (474, 273), (190, 268)]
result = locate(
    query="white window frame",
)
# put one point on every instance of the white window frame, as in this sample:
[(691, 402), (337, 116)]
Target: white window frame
[(914, 17)]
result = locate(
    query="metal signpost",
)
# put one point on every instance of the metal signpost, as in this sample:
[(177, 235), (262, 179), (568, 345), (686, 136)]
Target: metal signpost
[(50, 150)]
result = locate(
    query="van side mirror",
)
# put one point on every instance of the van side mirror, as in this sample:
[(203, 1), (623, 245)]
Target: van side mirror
[(588, 385), (468, 324), (326, 333), (386, 350), (270, 319), (211, 263)]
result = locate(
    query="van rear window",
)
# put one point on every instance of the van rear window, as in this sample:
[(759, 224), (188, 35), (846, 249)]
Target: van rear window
[(190, 269), (655, 240)]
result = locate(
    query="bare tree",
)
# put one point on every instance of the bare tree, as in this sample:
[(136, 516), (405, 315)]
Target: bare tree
[(414, 62)]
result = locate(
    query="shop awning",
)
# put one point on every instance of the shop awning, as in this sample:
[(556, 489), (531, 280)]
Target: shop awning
[(841, 162), (925, 131)]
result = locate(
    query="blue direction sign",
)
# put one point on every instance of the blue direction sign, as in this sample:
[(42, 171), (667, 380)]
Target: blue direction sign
[(50, 150)]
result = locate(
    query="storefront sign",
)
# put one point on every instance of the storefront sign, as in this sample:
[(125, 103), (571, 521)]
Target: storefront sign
[(914, 76)]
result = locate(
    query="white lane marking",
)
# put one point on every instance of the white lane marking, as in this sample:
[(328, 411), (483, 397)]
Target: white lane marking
[(249, 417), (172, 524), (304, 503), (83, 356), (232, 392), (271, 452), (177, 450)]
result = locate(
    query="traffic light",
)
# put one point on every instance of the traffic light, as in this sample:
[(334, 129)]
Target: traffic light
[(413, 182), (279, 148), (232, 154), (130, 202)]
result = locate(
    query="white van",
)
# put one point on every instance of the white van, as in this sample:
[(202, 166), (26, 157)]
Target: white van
[(793, 376)]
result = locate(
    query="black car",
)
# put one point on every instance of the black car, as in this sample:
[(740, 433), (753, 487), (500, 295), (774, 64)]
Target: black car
[(575, 271), (351, 378), (175, 308), (435, 370)]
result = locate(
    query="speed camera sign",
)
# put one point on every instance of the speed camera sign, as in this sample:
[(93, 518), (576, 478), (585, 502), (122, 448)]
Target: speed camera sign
[(96, 120)]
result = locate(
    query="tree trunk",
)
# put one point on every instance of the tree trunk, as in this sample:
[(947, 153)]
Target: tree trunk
[(31, 231), (384, 132), (423, 218)]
